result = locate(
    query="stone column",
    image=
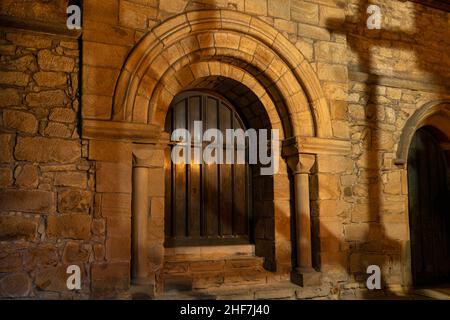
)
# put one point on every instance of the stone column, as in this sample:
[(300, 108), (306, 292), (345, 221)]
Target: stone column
[(140, 211), (302, 211), (304, 274)]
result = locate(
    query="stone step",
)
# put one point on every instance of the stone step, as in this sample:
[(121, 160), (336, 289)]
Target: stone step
[(208, 252), (173, 265), (213, 279), (279, 290)]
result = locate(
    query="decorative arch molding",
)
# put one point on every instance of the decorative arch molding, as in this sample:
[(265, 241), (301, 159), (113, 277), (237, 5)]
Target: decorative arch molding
[(238, 40), (435, 113)]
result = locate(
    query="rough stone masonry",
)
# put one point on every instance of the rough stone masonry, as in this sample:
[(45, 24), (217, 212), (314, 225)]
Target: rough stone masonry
[(68, 155)]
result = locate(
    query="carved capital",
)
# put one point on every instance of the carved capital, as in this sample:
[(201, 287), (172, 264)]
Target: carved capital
[(145, 156), (301, 163)]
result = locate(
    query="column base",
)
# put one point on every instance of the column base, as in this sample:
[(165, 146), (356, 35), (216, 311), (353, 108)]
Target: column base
[(306, 277), (142, 289)]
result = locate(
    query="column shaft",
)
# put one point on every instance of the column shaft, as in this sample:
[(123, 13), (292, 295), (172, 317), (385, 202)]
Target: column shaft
[(140, 221)]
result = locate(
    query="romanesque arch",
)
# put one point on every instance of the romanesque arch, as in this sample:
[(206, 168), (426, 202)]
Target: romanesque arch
[(435, 113), (173, 57), (155, 70)]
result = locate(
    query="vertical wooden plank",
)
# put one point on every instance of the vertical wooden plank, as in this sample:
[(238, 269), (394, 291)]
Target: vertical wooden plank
[(179, 183), (226, 200), (211, 187), (168, 205), (226, 178), (194, 172), (239, 200)]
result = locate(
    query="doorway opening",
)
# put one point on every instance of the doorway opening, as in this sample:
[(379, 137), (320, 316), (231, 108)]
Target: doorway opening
[(206, 203), (429, 207)]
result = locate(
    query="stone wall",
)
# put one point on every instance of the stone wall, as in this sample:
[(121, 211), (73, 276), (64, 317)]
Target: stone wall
[(46, 198), (373, 82)]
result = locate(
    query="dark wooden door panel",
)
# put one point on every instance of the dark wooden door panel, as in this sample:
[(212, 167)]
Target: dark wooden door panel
[(206, 204), (429, 210)]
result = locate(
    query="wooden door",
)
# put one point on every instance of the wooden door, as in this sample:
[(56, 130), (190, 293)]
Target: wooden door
[(206, 204), (429, 209)]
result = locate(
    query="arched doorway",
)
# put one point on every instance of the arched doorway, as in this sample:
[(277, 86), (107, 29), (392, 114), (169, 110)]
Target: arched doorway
[(429, 207), (206, 204)]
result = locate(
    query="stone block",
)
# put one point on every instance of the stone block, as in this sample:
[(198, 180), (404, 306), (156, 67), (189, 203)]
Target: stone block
[(50, 79), (109, 11), (39, 149), (357, 232), (115, 205), (331, 17), (174, 6), (118, 227), (110, 151), (331, 52), (71, 179), (312, 32), (9, 97), (49, 61), (113, 177), (279, 9), (14, 78), (96, 31), (59, 130), (96, 106), (396, 230), (100, 81), (74, 201), (6, 177), (41, 256), (135, 16), (306, 278), (64, 115), (327, 186), (5, 147), (71, 226), (27, 176), (258, 7), (55, 278), (99, 252), (107, 278), (156, 182), (118, 249), (74, 253), (35, 201), (334, 164), (29, 40), (15, 285), (365, 212), (104, 55), (304, 12), (393, 184), (332, 72), (10, 262), (98, 227), (20, 121), (53, 98), (14, 228)]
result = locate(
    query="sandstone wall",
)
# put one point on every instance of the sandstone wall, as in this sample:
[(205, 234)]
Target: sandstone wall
[(373, 81), (46, 198)]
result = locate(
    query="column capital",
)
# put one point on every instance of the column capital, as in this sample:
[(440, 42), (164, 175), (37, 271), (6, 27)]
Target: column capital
[(145, 156), (301, 163)]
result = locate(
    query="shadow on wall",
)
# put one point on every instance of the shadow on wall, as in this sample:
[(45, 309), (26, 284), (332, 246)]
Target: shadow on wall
[(422, 46)]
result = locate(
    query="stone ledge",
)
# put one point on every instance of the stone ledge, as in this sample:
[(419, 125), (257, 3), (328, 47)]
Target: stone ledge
[(7, 22), (314, 145), (386, 81), (122, 131)]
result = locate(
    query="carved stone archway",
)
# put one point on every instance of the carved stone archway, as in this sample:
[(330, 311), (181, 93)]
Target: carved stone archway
[(198, 44)]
